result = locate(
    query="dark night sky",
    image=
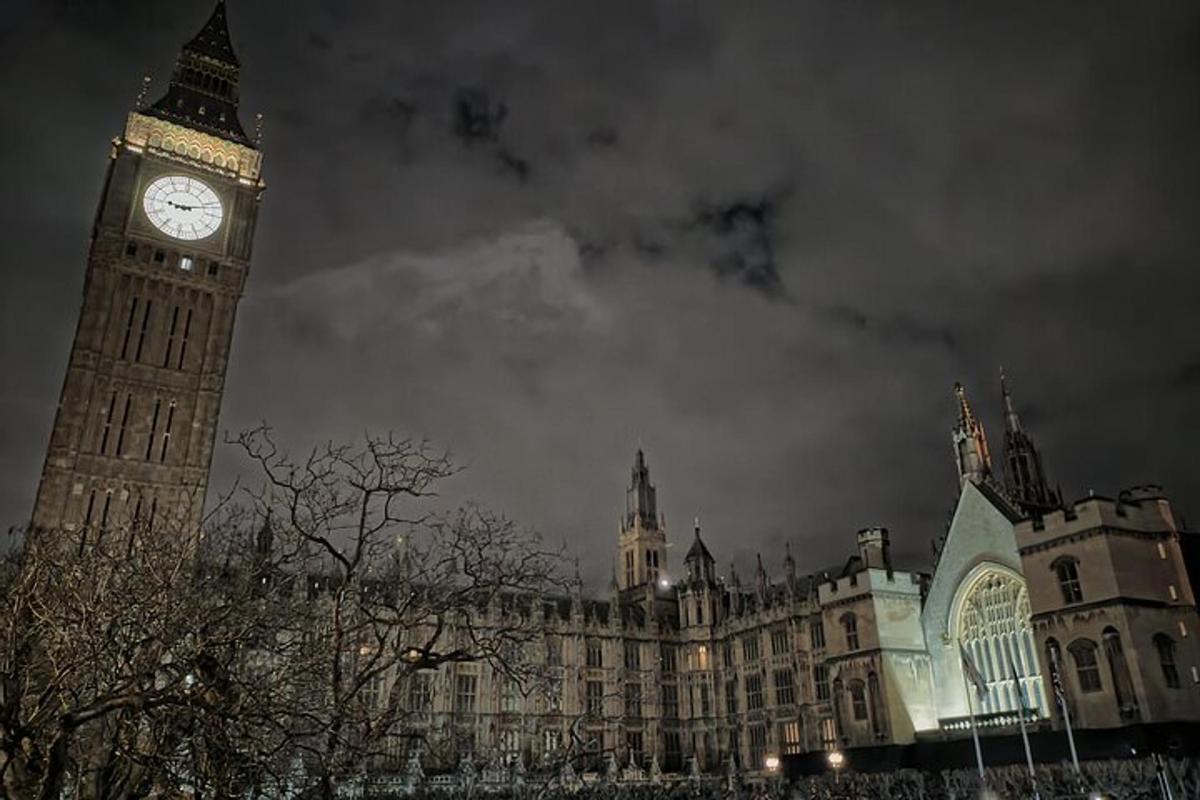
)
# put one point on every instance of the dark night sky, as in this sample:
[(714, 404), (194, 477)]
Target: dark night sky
[(763, 238)]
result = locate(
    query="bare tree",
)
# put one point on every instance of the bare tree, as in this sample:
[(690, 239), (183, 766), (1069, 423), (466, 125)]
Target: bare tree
[(270, 650), (391, 589), (120, 665)]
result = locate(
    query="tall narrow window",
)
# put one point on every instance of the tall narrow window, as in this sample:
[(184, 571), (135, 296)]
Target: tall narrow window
[(858, 700), (633, 653), (1067, 571), (183, 342), (87, 515), (87, 521), (595, 698), (166, 437), (816, 631), (112, 407), (877, 707), (754, 697), (785, 692), (135, 524), (464, 696), (153, 428), (1087, 668), (1122, 681), (129, 328), (1165, 646), (595, 654), (171, 337), (124, 425), (104, 513), (137, 356), (821, 682), (850, 628)]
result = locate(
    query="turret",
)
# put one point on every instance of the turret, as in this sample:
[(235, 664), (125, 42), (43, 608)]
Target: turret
[(970, 443), (789, 567), (760, 581), (873, 548), (698, 562)]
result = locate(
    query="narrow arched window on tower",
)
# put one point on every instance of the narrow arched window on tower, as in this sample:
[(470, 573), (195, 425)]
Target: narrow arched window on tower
[(850, 628), (1066, 569), (1087, 667), (858, 700), (1165, 646)]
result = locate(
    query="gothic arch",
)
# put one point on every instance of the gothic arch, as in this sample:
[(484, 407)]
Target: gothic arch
[(990, 618)]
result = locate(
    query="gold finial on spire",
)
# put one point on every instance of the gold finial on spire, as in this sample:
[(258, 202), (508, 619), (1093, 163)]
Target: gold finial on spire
[(141, 96), (258, 126)]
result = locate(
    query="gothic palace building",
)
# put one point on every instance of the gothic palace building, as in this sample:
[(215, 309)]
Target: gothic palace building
[(1093, 595), (861, 655)]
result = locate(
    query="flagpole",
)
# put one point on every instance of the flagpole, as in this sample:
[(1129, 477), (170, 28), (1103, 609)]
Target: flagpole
[(1060, 696), (971, 713), (1024, 734)]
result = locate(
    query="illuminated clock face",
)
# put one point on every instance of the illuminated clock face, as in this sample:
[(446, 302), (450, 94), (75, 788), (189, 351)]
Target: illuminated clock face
[(183, 207)]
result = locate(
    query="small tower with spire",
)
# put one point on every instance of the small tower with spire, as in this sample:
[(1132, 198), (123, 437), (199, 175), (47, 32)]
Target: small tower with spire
[(642, 543), (699, 562), (789, 567), (1024, 476), (970, 443), (760, 582), (697, 594)]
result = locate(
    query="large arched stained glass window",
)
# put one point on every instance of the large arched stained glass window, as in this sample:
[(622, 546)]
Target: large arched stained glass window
[(992, 623)]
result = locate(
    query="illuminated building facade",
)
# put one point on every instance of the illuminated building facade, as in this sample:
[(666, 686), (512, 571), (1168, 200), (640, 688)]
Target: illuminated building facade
[(682, 663)]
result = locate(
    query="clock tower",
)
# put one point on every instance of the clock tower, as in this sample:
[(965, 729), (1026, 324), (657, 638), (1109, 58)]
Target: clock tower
[(170, 248)]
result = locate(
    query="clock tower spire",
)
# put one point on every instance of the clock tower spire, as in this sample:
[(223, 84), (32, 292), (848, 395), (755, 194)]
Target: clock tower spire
[(170, 248)]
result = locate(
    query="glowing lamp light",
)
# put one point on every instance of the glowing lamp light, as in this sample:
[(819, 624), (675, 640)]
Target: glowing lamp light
[(772, 763), (836, 759), (664, 582)]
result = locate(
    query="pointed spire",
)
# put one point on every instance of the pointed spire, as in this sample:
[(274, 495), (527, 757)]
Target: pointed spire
[(264, 543), (203, 91), (965, 416), (213, 39), (1011, 422), (1024, 476), (970, 442), (641, 499)]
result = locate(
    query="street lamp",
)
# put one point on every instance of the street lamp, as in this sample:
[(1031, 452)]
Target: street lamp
[(772, 763), (837, 760)]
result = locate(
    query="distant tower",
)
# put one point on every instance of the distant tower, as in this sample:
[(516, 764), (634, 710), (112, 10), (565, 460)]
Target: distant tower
[(1024, 476), (643, 539), (170, 248), (970, 443)]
